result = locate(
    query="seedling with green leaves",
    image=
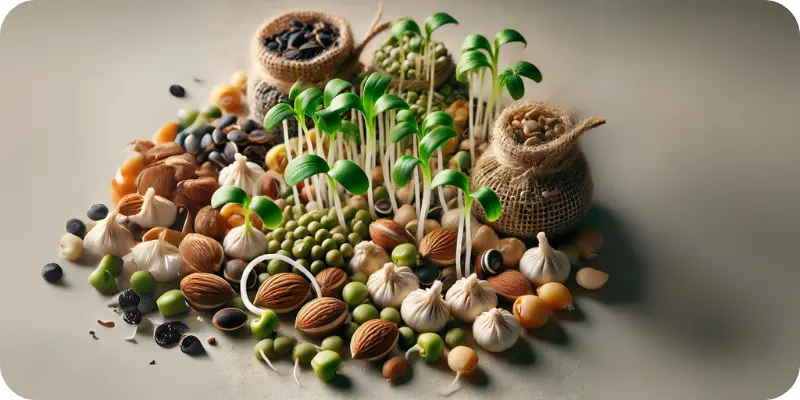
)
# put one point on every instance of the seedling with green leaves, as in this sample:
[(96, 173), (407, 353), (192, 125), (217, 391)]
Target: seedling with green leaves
[(487, 198), (268, 211), (437, 129)]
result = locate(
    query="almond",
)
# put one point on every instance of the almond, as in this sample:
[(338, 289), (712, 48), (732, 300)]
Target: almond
[(209, 222), (184, 166), (206, 291), (510, 284), (161, 151), (331, 281), (207, 170), (195, 193), (283, 292), (321, 316), (172, 236), (130, 204), (373, 340), (439, 247), (389, 234), (200, 254), (158, 177)]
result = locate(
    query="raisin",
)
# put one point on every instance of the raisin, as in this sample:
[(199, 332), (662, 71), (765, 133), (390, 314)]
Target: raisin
[(129, 299), (132, 316)]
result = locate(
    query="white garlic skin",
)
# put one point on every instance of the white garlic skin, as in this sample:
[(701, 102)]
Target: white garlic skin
[(245, 175), (156, 212), (425, 310), (109, 237), (544, 264), (496, 330), (470, 297), (244, 244), (390, 285), (368, 257), (160, 257)]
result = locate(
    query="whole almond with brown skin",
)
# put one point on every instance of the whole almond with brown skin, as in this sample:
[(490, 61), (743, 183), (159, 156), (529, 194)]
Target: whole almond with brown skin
[(373, 340), (321, 316), (394, 368), (159, 177), (207, 170), (283, 292), (195, 193), (209, 222), (439, 247), (161, 151), (389, 234), (510, 284), (130, 204), (200, 254), (206, 292), (331, 281), (184, 166)]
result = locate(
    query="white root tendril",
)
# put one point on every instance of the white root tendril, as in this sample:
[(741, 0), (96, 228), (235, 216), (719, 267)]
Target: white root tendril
[(268, 257), (446, 391), (266, 360), (132, 337), (294, 372), (415, 349)]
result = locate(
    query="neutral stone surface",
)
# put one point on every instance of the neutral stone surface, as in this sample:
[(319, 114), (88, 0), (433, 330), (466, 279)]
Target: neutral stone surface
[(696, 185)]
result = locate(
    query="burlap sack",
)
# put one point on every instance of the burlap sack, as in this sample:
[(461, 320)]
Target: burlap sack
[(545, 188)]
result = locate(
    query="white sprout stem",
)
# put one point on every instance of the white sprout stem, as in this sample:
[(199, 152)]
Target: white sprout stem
[(268, 257), (289, 153), (479, 105), (331, 187), (339, 146), (387, 178), (266, 360), (417, 201), (426, 203), (432, 73), (306, 182), (336, 201), (368, 170), (319, 183), (440, 164), (471, 122), (458, 241), (415, 349), (362, 153), (294, 371), (468, 219), (446, 391)]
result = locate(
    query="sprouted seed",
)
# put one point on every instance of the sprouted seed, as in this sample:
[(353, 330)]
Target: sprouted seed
[(461, 360)]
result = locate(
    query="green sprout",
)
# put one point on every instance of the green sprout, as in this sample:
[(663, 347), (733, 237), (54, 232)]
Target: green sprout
[(268, 211), (486, 197)]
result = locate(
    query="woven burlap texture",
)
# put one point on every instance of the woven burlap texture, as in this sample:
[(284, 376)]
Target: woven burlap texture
[(545, 188)]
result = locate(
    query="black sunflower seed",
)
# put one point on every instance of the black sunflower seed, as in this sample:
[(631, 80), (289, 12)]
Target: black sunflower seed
[(203, 130), (237, 136), (206, 142), (218, 136), (258, 136), (296, 40), (295, 24), (293, 55), (309, 46), (202, 157), (324, 39), (248, 125), (229, 152), (226, 121), (216, 158)]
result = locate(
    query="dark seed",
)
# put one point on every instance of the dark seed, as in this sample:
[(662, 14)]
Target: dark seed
[(219, 136), (132, 316), (255, 153), (203, 130), (427, 274), (181, 139), (192, 144), (216, 158), (327, 31), (272, 46), (491, 263), (97, 212), (226, 121), (284, 34), (237, 136), (229, 319), (259, 136), (76, 227), (324, 39), (206, 142), (128, 299), (169, 333), (146, 304), (308, 28), (293, 55), (295, 24), (229, 152), (177, 91), (180, 219), (296, 40), (191, 345), (153, 362), (248, 125), (203, 157), (309, 46), (52, 272)]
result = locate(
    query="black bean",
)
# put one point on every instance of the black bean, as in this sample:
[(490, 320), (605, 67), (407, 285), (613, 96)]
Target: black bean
[(219, 136), (226, 121), (177, 91), (216, 158), (293, 55), (206, 142), (52, 272), (76, 227), (229, 152), (97, 212), (237, 136), (295, 24), (248, 125)]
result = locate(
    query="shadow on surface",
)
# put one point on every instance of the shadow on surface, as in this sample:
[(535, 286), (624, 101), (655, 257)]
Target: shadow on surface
[(551, 332), (520, 353)]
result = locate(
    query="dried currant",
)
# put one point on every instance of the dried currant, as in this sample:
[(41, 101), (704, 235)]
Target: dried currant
[(191, 345), (169, 333), (128, 299), (132, 316)]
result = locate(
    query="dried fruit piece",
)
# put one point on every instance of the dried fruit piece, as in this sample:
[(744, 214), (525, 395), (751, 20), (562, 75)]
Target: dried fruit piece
[(590, 278), (169, 333), (191, 345), (107, 324)]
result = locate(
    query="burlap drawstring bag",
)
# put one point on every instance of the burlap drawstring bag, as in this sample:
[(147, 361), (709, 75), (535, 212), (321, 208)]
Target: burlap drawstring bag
[(545, 188)]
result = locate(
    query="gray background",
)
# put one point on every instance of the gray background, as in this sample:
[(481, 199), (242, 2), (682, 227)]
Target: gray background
[(696, 186)]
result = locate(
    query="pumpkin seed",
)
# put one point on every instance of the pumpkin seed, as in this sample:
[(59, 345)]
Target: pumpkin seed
[(229, 319)]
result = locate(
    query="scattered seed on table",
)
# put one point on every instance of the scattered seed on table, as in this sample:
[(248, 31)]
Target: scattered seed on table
[(97, 212), (153, 362), (177, 91), (212, 341), (52, 272), (91, 333), (76, 227), (107, 324)]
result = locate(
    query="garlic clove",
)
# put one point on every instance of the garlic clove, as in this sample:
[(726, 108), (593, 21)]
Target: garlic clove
[(109, 237), (368, 257), (390, 285), (243, 174), (590, 278), (159, 257), (244, 244), (156, 211)]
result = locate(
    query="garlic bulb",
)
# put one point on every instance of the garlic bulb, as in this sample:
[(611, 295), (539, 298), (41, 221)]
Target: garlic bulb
[(243, 174), (496, 330), (109, 237), (156, 212), (544, 264), (160, 257), (390, 285), (425, 310), (244, 244), (128, 268), (469, 297), (368, 257)]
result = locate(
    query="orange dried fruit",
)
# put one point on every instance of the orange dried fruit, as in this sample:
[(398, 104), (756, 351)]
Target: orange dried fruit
[(132, 166), (227, 98), (167, 133)]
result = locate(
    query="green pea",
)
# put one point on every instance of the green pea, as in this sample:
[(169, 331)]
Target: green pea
[(265, 345), (432, 347), (103, 281), (276, 267), (347, 250), (390, 314), (321, 235), (363, 216), (284, 253), (349, 212), (314, 227), (143, 282), (333, 343), (342, 230), (354, 239), (364, 313), (291, 225), (112, 264), (296, 216), (412, 97), (339, 239), (309, 241), (284, 344), (354, 293), (304, 353), (317, 253), (290, 236), (325, 364), (305, 263), (300, 208), (455, 337), (334, 258), (328, 245), (286, 215), (407, 338), (361, 228), (262, 277), (350, 329), (290, 201), (172, 303), (328, 222), (301, 250), (273, 246), (305, 220), (264, 326), (359, 277), (300, 232), (318, 214), (237, 303), (317, 266), (287, 245), (268, 235), (405, 255), (279, 234), (287, 192)]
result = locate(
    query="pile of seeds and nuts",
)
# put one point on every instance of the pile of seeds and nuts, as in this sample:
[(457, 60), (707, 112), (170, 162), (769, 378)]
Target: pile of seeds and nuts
[(533, 131), (221, 206)]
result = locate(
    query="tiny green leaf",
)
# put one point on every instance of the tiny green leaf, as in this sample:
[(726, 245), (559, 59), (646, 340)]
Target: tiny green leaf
[(404, 26), (228, 194), (526, 69), (489, 201), (436, 21), (350, 176), (511, 77), (268, 211), (345, 102), (436, 118), (308, 101), (374, 88), (328, 121), (514, 84), (403, 168), (476, 42), (403, 130), (388, 102), (472, 61), (297, 88), (506, 36), (453, 178), (334, 88), (433, 140), (304, 167), (351, 131), (406, 116), (278, 114)]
